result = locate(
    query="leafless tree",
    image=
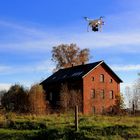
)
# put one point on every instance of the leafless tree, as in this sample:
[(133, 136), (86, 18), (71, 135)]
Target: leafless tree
[(75, 99), (69, 98), (64, 98), (136, 94), (133, 95)]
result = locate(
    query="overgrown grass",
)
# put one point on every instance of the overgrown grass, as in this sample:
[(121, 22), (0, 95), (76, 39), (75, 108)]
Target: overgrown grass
[(61, 127)]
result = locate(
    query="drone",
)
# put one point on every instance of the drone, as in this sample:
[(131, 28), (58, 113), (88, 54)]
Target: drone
[(95, 24)]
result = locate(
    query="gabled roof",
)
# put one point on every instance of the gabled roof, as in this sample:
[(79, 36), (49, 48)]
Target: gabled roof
[(76, 72)]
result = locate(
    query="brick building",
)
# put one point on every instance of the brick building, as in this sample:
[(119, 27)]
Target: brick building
[(97, 83)]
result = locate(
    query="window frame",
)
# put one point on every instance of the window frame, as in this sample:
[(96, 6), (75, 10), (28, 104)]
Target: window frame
[(111, 94), (93, 94), (111, 81), (93, 79), (102, 94)]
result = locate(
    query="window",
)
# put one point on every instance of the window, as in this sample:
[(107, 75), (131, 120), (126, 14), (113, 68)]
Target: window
[(101, 78), (92, 78), (93, 93), (111, 109), (53, 77), (77, 73), (102, 94), (93, 109), (51, 96), (64, 76), (111, 94), (110, 81)]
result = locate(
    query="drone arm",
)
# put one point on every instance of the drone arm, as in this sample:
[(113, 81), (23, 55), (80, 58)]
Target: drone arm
[(88, 28), (100, 28)]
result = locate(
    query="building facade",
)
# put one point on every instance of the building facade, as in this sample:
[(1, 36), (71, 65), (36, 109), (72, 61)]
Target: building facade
[(97, 83)]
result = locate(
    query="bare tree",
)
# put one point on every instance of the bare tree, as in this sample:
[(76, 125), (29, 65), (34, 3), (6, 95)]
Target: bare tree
[(64, 98), (69, 98), (76, 99), (136, 95), (129, 96), (133, 95), (66, 55)]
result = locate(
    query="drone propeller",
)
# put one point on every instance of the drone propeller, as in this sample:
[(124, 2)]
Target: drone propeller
[(101, 17), (86, 18)]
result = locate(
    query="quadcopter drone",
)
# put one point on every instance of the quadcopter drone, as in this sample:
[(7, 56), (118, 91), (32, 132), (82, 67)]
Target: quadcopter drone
[(95, 24)]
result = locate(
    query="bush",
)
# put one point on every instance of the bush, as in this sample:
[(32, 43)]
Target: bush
[(37, 100)]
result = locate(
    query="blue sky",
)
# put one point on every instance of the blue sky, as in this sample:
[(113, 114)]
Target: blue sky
[(30, 28)]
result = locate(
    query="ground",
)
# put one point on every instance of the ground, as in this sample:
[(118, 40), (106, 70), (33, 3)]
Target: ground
[(27, 127)]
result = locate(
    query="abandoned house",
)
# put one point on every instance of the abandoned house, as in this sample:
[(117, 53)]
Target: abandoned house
[(97, 83)]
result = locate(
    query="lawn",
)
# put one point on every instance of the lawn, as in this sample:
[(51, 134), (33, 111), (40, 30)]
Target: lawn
[(61, 127)]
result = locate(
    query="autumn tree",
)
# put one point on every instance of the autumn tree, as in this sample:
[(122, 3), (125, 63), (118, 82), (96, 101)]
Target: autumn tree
[(66, 55), (119, 103), (15, 99), (37, 100)]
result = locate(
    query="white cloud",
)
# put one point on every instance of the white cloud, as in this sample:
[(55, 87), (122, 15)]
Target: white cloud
[(121, 41), (4, 68), (29, 29), (43, 39), (43, 67), (4, 86), (126, 67)]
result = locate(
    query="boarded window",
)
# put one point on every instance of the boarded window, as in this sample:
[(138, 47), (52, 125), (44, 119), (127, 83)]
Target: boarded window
[(101, 78)]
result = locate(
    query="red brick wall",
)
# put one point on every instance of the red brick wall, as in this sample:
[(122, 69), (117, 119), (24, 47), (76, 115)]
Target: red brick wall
[(88, 85)]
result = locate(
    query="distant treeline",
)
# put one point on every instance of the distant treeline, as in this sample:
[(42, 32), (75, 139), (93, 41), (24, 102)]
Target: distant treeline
[(21, 100)]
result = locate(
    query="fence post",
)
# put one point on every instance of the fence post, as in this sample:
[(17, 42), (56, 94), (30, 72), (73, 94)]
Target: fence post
[(76, 118), (133, 107)]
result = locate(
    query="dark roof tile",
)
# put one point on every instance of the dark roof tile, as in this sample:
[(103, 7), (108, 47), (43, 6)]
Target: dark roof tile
[(74, 72)]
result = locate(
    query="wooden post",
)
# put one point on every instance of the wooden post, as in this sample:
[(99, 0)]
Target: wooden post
[(133, 107), (76, 118)]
